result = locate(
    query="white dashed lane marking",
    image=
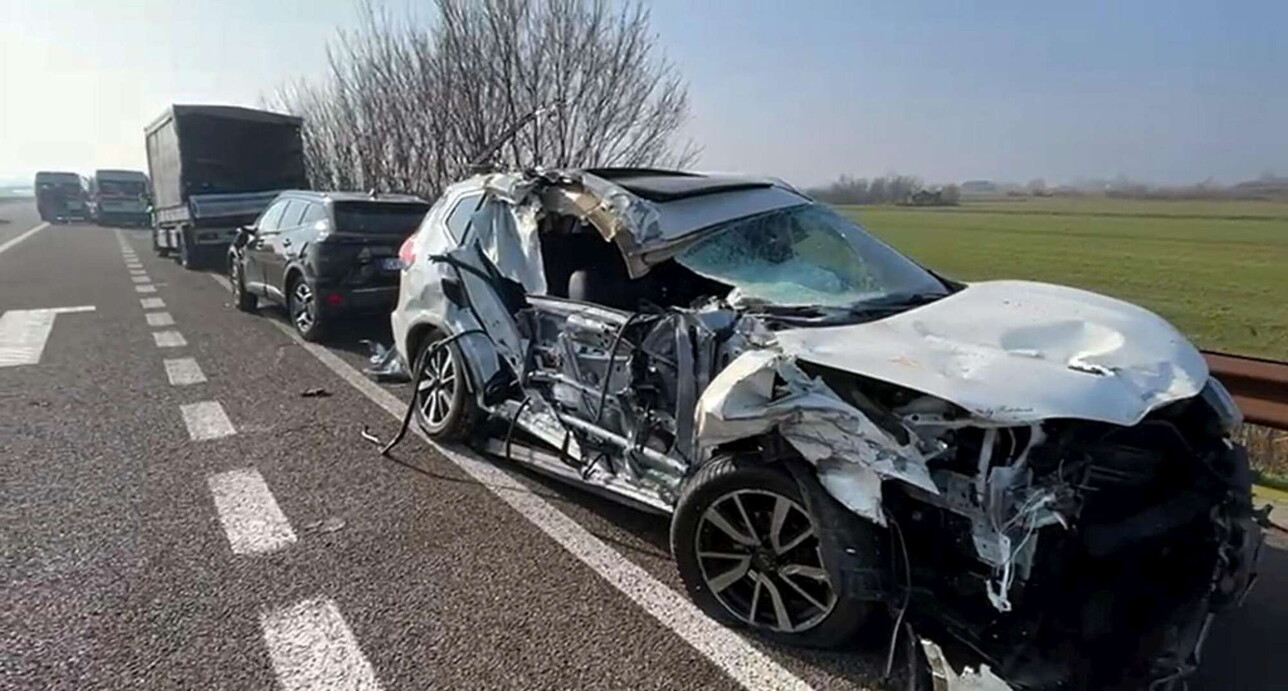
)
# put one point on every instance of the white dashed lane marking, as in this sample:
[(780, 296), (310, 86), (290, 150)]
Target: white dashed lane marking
[(159, 319), (138, 272), (169, 339), (145, 289), (184, 371), (249, 513), (140, 279), (23, 333), (206, 420), (312, 648), (152, 303)]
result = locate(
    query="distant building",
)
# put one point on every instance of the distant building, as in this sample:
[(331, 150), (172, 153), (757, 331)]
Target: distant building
[(979, 187)]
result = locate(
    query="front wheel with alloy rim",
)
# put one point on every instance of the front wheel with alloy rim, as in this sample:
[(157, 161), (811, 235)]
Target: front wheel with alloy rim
[(750, 555), (445, 409), (306, 313), (243, 300)]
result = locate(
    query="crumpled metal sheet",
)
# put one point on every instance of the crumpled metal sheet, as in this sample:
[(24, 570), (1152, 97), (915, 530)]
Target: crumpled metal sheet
[(384, 364), (508, 232), (1017, 352), (945, 678), (853, 454)]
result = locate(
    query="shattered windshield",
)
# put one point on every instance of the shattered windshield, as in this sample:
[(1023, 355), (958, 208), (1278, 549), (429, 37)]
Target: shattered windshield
[(807, 255)]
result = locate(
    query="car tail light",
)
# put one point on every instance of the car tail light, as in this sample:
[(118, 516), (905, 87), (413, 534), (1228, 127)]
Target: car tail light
[(407, 253)]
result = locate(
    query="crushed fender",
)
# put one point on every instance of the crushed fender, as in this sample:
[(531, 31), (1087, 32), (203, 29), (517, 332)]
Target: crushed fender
[(762, 390)]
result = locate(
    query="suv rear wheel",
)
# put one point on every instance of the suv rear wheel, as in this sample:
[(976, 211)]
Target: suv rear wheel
[(750, 555), (306, 313), (444, 408)]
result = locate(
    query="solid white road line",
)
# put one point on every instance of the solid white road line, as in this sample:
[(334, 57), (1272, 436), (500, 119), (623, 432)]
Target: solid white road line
[(249, 513), (159, 319), (169, 339), (183, 371), (723, 647), (24, 236), (312, 648), (206, 420), (23, 333), (145, 289), (152, 303)]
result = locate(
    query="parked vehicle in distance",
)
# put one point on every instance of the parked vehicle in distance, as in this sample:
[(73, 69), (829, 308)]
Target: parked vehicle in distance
[(119, 197), (1036, 480), (214, 169), (60, 197), (323, 255)]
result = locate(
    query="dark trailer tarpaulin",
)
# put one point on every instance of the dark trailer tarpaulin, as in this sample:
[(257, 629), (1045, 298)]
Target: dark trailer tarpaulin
[(197, 150), (215, 168)]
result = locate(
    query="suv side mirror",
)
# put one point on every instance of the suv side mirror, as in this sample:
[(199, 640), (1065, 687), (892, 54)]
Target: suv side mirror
[(244, 234)]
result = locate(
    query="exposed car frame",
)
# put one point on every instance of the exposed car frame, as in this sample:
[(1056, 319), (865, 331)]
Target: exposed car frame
[(1011, 469)]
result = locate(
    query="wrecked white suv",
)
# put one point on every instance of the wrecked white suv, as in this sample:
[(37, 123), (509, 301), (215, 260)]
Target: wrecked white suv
[(1037, 480)]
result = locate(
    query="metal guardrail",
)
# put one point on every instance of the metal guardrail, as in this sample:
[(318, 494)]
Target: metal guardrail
[(1260, 387)]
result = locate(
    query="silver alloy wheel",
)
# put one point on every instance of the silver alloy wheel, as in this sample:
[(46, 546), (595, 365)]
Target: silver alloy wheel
[(437, 387), (759, 556), (302, 297)]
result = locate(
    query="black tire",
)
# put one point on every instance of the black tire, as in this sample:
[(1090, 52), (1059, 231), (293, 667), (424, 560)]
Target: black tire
[(313, 328), (187, 255), (754, 488), (461, 409), (242, 300)]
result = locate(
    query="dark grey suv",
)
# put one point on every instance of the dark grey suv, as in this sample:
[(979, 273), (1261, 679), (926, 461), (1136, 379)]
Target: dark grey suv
[(323, 254)]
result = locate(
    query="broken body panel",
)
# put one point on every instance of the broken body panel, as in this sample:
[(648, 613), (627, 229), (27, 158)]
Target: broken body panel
[(1031, 443)]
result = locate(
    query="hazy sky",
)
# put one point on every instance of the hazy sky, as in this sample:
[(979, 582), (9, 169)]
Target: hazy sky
[(1161, 90)]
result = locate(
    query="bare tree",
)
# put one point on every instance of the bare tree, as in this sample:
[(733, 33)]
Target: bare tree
[(405, 104)]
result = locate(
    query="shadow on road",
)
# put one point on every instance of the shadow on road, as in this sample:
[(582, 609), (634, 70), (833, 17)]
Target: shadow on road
[(1245, 648)]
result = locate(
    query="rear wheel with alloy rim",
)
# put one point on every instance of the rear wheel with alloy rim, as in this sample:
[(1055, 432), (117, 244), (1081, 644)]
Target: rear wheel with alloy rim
[(305, 312), (444, 408), (750, 555)]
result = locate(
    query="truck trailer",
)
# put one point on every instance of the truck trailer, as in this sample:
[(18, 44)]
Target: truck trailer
[(119, 197), (214, 169)]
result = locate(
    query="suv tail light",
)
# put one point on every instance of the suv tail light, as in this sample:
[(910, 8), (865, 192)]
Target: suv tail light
[(407, 253)]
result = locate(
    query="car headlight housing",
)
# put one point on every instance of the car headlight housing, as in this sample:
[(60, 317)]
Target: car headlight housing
[(1218, 398)]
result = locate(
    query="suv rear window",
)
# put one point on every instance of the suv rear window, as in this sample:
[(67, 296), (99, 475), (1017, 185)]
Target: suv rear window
[(378, 218)]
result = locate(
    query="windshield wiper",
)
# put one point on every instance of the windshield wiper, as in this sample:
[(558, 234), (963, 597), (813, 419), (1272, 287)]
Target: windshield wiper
[(898, 301)]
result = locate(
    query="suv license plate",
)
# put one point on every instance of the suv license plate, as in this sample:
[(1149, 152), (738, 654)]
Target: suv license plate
[(390, 263)]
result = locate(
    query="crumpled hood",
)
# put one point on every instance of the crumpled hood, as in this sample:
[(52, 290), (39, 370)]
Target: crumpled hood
[(1015, 352)]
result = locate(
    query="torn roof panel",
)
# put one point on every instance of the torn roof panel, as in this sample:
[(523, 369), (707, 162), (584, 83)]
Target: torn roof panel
[(1015, 352)]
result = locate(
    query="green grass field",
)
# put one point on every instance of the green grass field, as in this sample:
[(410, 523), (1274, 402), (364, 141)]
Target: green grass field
[(1218, 270)]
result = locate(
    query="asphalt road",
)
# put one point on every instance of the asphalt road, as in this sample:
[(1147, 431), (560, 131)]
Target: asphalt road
[(233, 533)]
